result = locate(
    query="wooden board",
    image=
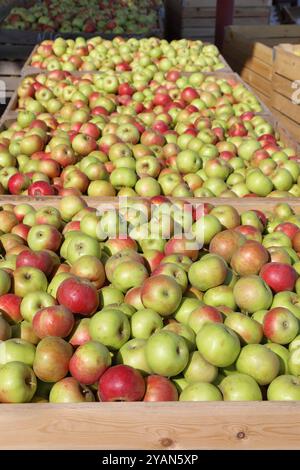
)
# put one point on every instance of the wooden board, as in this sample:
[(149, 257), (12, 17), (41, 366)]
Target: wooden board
[(241, 204), (289, 124), (257, 81), (286, 63), (213, 3), (286, 107), (200, 12), (206, 425)]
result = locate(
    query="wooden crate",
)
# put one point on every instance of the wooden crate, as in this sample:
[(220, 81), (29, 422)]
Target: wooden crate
[(249, 51), (286, 86), (164, 426), (196, 19)]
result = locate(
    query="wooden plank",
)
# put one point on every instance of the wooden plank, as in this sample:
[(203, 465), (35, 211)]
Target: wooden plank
[(257, 81), (247, 47), (241, 205), (282, 85), (200, 12), (289, 124), (212, 3), (281, 32), (252, 63), (210, 21), (286, 63), (285, 105), (12, 68), (237, 425)]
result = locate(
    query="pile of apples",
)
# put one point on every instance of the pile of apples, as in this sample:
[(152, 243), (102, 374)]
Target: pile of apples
[(122, 55), (92, 309), (72, 16), (140, 134)]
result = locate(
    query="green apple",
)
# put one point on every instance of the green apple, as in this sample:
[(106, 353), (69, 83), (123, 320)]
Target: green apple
[(248, 330), (218, 344), (186, 307), (28, 279), (200, 391), (110, 327), (284, 388), (282, 354), (219, 296), (259, 362), (199, 370), (17, 349), (166, 353), (109, 295), (145, 322), (35, 301), (251, 294), (17, 383), (69, 390), (240, 387), (210, 271), (133, 353)]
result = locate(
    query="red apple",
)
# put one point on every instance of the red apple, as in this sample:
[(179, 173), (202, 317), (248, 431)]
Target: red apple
[(79, 296), (159, 388), (280, 277), (121, 383)]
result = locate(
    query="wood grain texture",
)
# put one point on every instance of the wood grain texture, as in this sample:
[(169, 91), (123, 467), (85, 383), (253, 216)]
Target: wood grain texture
[(286, 63), (241, 205), (206, 425)]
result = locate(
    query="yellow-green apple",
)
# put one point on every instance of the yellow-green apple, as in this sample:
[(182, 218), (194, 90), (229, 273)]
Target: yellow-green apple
[(71, 205), (167, 353), (200, 391), (5, 329), (227, 215), (110, 327), (210, 271), (33, 302), (294, 362), (284, 388), (205, 228), (44, 237), (121, 383), (283, 355), (289, 300), (240, 387), (109, 295), (199, 370), (259, 362), (68, 390), (129, 274), (218, 344), (28, 279), (162, 294), (145, 322), (133, 354), (16, 349), (52, 357), (185, 309), (17, 383)]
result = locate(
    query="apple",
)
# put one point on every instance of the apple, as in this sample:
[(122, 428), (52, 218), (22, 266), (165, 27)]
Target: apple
[(51, 362), (44, 237), (10, 307), (160, 388), (144, 323), (185, 309), (91, 269), (89, 362), (249, 258), (109, 295), (5, 329), (28, 279), (17, 349), (248, 330), (259, 362), (226, 243), (166, 353), (133, 354), (110, 327), (283, 355), (284, 388), (68, 390), (17, 383), (251, 294), (218, 344), (129, 274), (78, 295), (36, 259), (280, 325), (240, 387), (294, 361), (199, 370), (53, 321), (289, 300), (80, 333), (203, 314), (279, 277), (121, 383), (162, 294), (200, 391), (210, 271)]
